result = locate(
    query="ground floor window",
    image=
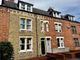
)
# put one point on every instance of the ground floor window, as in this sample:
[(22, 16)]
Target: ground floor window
[(76, 42), (60, 42), (25, 44)]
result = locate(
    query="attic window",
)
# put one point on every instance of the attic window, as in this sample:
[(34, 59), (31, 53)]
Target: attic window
[(28, 8), (23, 6)]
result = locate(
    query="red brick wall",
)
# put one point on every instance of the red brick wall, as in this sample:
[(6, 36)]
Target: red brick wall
[(69, 42), (68, 39), (66, 32), (4, 24), (52, 32)]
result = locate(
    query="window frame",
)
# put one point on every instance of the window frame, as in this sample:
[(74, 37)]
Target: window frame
[(60, 42), (76, 42), (47, 26), (44, 28), (20, 6), (74, 29), (28, 30), (58, 27), (29, 8), (25, 47)]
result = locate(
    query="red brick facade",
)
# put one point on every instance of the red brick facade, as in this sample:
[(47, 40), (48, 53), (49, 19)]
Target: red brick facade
[(4, 24), (67, 34)]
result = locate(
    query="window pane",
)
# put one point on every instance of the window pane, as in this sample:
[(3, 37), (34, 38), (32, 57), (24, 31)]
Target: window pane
[(62, 45), (23, 6), (61, 38), (58, 27), (22, 23), (42, 26), (28, 27), (22, 43), (29, 24), (29, 43), (48, 38), (28, 8), (22, 47), (73, 28), (42, 39), (58, 43), (47, 27), (76, 42), (29, 46), (22, 40), (29, 40)]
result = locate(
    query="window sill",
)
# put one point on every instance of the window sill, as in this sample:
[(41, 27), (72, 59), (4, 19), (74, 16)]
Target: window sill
[(42, 31), (25, 51), (61, 47), (29, 30), (22, 29)]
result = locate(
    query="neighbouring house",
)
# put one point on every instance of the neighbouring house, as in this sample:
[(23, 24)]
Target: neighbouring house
[(34, 32)]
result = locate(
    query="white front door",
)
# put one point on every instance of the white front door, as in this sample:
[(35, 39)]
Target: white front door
[(48, 45)]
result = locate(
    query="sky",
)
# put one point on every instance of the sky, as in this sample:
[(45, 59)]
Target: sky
[(65, 6)]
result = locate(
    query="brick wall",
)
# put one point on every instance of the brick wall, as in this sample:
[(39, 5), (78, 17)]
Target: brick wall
[(66, 32), (4, 24)]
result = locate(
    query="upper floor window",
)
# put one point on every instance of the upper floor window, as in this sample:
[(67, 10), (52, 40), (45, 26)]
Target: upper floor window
[(28, 8), (55, 14), (73, 29), (71, 18), (25, 44), (26, 24), (44, 26), (23, 6), (60, 42), (58, 27), (47, 26), (76, 42)]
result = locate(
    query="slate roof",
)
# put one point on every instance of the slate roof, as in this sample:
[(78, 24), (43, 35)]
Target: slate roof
[(35, 10), (10, 4)]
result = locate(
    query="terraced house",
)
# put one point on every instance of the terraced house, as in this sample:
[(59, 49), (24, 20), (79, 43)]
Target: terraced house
[(34, 32)]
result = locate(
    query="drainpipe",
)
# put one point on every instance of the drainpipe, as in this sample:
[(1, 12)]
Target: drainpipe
[(36, 33)]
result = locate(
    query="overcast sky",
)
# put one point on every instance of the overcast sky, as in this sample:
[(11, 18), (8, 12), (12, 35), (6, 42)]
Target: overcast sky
[(65, 6)]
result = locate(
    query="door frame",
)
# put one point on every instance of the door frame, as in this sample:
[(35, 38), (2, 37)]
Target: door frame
[(44, 46), (50, 43), (45, 38)]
